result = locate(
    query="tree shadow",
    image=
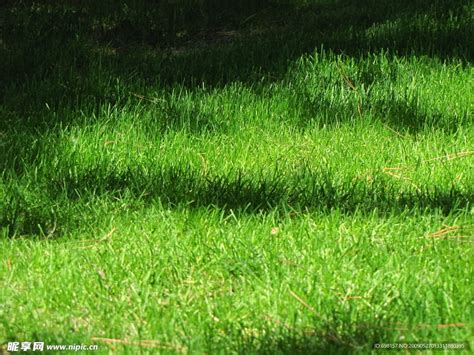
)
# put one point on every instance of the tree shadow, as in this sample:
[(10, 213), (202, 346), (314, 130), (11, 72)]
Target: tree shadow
[(57, 57), (404, 116), (59, 43), (61, 59), (37, 211), (322, 339)]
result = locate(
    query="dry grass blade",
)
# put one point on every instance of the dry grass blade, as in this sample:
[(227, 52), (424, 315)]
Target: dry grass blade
[(146, 98), (445, 231), (306, 305), (91, 242), (387, 171), (352, 86), (108, 235), (9, 264), (450, 229), (142, 343), (355, 297), (446, 157), (346, 78), (394, 131), (451, 325), (452, 156)]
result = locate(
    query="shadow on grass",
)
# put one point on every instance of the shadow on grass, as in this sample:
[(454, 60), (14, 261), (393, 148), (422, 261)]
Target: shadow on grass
[(407, 117), (307, 190), (29, 211), (317, 340), (59, 57), (404, 116), (63, 54)]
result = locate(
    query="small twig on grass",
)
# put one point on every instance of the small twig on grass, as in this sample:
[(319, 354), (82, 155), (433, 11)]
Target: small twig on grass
[(248, 18), (112, 231)]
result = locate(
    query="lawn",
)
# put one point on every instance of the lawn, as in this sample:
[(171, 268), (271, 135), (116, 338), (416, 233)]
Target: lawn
[(283, 177)]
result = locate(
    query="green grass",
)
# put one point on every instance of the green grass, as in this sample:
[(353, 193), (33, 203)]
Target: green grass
[(274, 189)]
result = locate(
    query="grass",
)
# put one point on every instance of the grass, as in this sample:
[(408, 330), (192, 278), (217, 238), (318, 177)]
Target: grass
[(295, 180)]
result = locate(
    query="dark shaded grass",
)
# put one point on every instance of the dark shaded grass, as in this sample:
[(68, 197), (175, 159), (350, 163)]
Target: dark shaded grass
[(49, 206), (324, 340), (53, 54), (305, 190), (308, 104), (404, 116)]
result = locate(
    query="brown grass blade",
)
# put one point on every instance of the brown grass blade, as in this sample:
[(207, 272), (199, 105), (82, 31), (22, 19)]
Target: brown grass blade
[(450, 229), (306, 305), (388, 172), (451, 156)]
